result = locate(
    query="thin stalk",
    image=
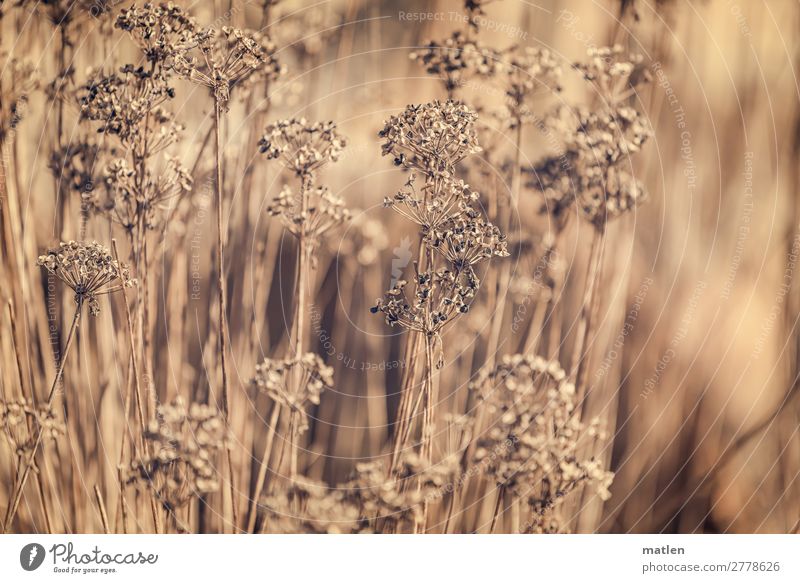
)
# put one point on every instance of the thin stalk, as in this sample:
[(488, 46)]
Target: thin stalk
[(20, 485), (498, 508), (102, 507), (580, 354), (262, 469), (139, 407), (223, 306), (505, 270)]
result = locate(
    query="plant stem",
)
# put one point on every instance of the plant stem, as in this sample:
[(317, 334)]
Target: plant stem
[(580, 352), (139, 407), (223, 306), (20, 485), (262, 469)]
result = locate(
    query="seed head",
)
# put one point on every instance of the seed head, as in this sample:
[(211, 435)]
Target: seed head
[(302, 147), (273, 378), (88, 269), (161, 31), (532, 447), (184, 442), (226, 58), (456, 60), (21, 421), (431, 138), (325, 211)]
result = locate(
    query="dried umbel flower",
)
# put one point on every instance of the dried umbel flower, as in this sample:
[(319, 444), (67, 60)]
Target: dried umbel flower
[(226, 58), (531, 448), (528, 71), (121, 102), (302, 147), (271, 70), (466, 239), (77, 165), (16, 84), (594, 166), (311, 507), (161, 31), (456, 60), (134, 201), (295, 383), (394, 501), (431, 138), (324, 211), (184, 443), (88, 269), (20, 422), (614, 74), (439, 296), (433, 203)]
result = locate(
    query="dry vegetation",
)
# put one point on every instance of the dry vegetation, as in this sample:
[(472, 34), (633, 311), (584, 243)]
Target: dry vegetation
[(273, 267)]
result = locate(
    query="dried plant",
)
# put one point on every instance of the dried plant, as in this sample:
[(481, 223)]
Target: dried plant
[(89, 270), (433, 139), (442, 418), (457, 60), (16, 84), (322, 510), (272, 378), (184, 442), (21, 421), (220, 61), (225, 59), (532, 449)]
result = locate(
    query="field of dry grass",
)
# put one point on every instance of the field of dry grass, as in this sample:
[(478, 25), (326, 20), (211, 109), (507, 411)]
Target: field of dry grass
[(399, 267)]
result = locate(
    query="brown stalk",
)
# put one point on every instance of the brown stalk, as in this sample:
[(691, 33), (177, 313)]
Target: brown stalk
[(20, 485), (223, 331)]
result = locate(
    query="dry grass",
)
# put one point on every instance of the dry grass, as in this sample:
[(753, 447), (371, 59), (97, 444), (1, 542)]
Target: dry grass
[(274, 268)]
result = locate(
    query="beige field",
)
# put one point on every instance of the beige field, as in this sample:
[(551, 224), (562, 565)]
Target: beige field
[(494, 267)]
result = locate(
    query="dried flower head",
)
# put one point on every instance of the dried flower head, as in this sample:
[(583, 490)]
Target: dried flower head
[(226, 58), (456, 60), (433, 203), (531, 449), (122, 102), (184, 442), (20, 422), (161, 31), (528, 72), (135, 201), (431, 138), (273, 377), (436, 299), (311, 507), (594, 166), (324, 211), (614, 74), (88, 269), (16, 84), (466, 239), (302, 147), (394, 501)]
